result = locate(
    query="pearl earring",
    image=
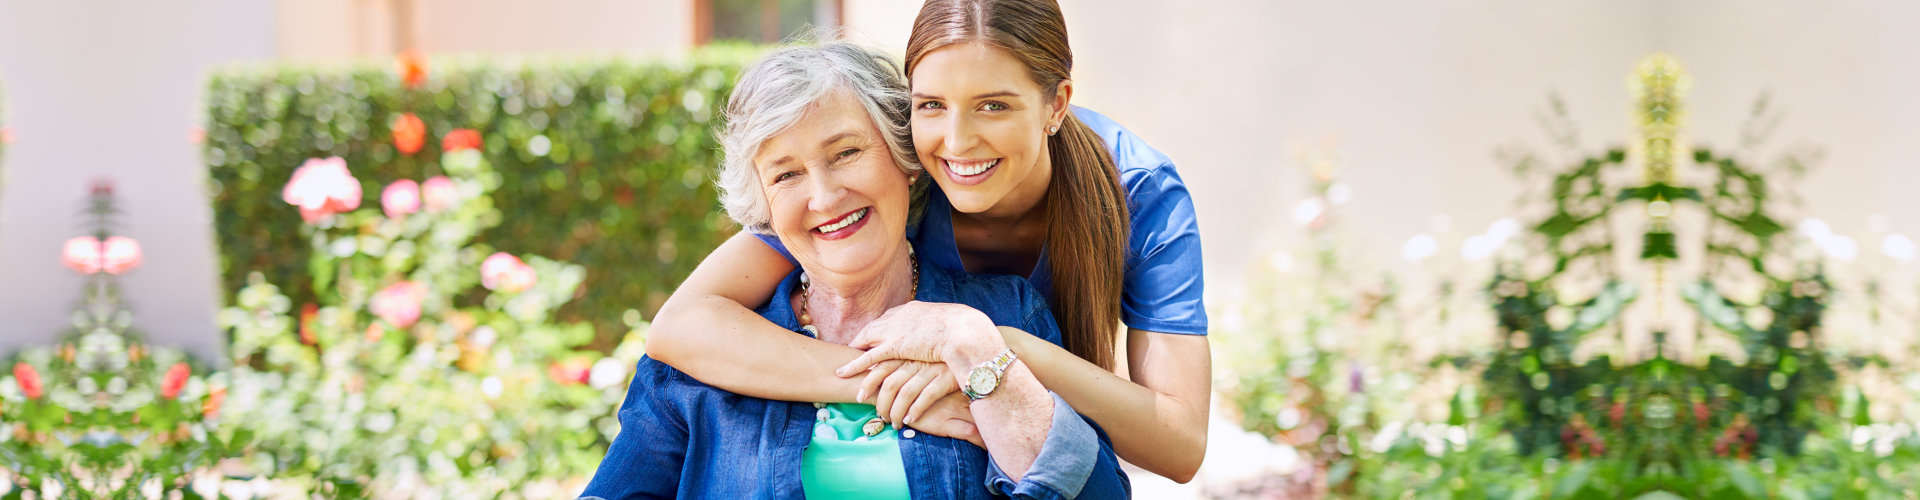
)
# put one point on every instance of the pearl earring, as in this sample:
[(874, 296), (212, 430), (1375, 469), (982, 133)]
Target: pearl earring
[(1053, 129)]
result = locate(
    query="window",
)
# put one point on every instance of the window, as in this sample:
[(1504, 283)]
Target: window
[(760, 21)]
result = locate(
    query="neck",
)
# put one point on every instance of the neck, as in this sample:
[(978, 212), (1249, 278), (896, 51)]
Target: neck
[(842, 305)]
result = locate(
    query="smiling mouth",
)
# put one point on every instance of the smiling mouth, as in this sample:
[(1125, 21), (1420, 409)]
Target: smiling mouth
[(846, 220), (970, 168)]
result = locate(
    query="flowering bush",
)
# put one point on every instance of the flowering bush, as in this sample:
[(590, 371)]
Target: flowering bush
[(604, 162), (406, 377), (100, 414), (1605, 368)]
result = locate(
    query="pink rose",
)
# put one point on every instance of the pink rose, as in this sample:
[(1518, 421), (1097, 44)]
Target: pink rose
[(506, 273), (400, 198), (175, 380), (439, 193), (82, 255), (398, 304), (322, 187), (28, 379), (119, 254)]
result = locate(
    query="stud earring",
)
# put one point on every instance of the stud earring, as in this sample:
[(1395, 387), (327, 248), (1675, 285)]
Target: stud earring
[(1053, 129)]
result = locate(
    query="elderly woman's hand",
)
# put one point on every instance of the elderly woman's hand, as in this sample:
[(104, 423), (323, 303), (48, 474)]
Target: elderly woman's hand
[(922, 331)]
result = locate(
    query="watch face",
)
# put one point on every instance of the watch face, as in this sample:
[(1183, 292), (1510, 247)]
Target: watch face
[(982, 380)]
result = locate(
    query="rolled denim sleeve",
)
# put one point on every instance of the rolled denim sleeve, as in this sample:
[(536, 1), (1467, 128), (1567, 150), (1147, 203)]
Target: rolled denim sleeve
[(1066, 460), (646, 458)]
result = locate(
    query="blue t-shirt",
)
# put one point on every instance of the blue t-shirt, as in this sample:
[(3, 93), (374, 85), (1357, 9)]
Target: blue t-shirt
[(1164, 278)]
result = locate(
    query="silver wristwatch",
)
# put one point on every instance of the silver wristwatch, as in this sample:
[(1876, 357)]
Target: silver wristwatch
[(986, 377)]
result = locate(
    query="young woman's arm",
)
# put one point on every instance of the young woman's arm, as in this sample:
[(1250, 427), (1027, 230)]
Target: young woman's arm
[(707, 330), (1157, 420)]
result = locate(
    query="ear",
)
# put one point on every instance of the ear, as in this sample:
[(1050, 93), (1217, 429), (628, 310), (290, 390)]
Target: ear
[(1062, 97)]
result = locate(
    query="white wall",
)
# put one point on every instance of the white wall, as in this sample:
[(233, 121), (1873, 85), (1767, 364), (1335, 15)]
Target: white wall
[(101, 88)]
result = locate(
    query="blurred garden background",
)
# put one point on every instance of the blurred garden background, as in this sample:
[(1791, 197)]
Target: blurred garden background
[(1481, 249)]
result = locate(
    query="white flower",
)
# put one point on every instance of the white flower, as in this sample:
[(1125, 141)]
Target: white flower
[(491, 387), (606, 372), (1419, 247)]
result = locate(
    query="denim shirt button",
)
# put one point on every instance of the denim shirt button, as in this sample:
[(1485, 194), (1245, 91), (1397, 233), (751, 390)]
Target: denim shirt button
[(907, 434)]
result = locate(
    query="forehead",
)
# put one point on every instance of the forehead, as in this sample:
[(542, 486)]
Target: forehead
[(834, 115), (967, 67)]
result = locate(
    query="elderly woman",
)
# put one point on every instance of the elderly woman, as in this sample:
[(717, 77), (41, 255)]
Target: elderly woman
[(817, 153)]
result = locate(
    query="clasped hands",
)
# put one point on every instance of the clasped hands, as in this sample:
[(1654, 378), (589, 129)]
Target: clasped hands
[(916, 354)]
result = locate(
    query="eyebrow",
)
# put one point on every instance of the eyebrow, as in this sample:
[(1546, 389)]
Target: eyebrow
[(823, 144), (998, 93)]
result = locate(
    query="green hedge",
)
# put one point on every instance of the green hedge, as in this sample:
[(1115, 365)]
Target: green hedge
[(606, 162)]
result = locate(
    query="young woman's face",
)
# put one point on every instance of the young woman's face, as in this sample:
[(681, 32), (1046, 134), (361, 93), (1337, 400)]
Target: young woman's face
[(980, 125), (836, 198)]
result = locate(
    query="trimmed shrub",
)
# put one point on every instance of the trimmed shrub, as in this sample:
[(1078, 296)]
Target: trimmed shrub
[(603, 162)]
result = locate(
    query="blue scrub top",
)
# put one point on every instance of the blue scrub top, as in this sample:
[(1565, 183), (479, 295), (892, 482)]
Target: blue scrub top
[(1164, 281)]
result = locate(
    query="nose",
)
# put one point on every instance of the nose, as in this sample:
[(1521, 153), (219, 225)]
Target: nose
[(826, 192), (960, 136)]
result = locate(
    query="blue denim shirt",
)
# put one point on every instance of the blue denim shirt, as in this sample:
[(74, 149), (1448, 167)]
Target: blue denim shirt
[(682, 438)]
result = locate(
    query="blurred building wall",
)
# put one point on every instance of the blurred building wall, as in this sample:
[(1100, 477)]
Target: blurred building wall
[(378, 28), (111, 89)]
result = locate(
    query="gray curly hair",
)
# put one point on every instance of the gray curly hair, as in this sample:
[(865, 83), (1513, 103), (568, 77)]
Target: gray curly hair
[(776, 92)]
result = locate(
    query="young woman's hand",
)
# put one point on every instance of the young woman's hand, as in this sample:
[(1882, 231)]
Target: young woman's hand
[(922, 331), (950, 416), (903, 390)]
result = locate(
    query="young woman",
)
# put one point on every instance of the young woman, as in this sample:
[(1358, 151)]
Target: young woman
[(1027, 185)]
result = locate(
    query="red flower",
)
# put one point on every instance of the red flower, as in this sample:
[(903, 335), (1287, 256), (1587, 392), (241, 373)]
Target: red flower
[(575, 371), (460, 139), (439, 193), (308, 313), (504, 272), (322, 187), (412, 67), (211, 407), (28, 379), (175, 380), (409, 134)]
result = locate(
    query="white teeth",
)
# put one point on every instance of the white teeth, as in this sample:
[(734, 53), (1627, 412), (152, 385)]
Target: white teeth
[(862, 214), (972, 168)]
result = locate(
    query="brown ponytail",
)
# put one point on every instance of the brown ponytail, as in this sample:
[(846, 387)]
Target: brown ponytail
[(1087, 217)]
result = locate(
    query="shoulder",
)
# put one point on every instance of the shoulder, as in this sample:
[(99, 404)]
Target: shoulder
[(1149, 176), (1131, 154)]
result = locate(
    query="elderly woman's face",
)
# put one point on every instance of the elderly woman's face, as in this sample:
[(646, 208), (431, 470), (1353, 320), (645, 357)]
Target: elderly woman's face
[(837, 199)]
